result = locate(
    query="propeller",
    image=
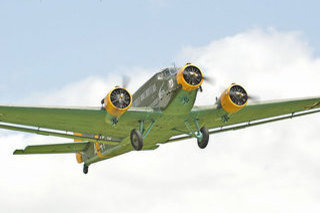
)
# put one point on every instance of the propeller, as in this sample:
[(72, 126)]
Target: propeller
[(125, 83), (192, 75), (240, 96), (120, 98), (209, 80), (253, 98)]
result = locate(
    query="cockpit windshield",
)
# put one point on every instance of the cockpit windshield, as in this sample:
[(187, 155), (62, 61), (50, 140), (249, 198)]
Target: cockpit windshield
[(169, 71), (166, 72), (173, 70)]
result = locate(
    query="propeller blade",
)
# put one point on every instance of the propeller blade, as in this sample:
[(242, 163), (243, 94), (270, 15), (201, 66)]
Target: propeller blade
[(253, 98), (209, 80), (125, 81)]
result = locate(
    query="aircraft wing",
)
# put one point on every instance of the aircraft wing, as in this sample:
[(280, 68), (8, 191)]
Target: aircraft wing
[(253, 114), (63, 122), (54, 148)]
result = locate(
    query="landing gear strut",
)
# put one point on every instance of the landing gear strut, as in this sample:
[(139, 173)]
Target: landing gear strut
[(202, 135), (85, 169), (137, 136)]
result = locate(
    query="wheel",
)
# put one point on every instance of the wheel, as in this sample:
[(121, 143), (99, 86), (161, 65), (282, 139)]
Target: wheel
[(85, 169), (205, 138), (136, 139)]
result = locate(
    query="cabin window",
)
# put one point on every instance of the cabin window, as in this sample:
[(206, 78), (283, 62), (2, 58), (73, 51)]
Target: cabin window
[(143, 96), (148, 92), (160, 76)]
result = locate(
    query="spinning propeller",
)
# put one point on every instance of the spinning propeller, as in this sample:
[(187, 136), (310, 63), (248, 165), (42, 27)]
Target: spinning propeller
[(119, 96), (238, 95), (192, 75)]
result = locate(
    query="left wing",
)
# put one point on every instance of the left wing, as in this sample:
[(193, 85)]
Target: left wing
[(63, 122)]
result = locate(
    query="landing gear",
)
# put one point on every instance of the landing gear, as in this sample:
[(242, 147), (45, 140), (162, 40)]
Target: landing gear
[(204, 138), (137, 136), (85, 169), (136, 139), (202, 135)]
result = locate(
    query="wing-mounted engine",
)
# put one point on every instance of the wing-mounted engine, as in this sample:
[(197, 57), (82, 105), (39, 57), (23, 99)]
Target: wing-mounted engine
[(189, 77), (118, 101), (234, 98)]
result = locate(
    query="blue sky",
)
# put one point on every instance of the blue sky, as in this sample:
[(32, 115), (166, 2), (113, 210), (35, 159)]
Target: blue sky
[(47, 44)]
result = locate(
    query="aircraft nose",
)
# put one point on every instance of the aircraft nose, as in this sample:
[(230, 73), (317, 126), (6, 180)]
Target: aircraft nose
[(190, 77)]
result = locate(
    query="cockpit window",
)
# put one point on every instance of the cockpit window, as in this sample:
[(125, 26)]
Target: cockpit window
[(173, 70), (166, 72), (160, 76)]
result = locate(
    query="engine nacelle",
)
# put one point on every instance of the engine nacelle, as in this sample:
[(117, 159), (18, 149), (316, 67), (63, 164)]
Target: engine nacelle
[(234, 98), (189, 77), (118, 101)]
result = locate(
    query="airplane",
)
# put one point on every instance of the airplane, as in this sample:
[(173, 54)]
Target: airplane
[(161, 111)]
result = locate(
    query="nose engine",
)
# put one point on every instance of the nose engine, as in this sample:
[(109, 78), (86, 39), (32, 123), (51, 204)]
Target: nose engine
[(189, 77), (118, 101)]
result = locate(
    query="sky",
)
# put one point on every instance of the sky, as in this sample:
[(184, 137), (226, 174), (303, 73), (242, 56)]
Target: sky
[(74, 52)]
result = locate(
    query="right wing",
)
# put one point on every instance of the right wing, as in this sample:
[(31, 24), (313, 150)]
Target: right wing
[(251, 115), (212, 115)]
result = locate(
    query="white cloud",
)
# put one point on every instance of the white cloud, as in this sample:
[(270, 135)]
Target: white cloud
[(270, 168), (268, 63)]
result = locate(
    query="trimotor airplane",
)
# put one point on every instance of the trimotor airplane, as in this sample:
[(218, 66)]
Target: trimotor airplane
[(161, 111)]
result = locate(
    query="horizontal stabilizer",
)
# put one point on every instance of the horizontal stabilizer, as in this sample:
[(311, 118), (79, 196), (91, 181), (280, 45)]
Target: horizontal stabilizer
[(54, 148)]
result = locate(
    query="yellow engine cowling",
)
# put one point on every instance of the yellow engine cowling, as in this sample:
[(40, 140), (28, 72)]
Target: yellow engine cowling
[(189, 77), (118, 101), (79, 154), (234, 98)]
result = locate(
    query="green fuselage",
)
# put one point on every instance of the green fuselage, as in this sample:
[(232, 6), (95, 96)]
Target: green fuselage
[(162, 93)]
